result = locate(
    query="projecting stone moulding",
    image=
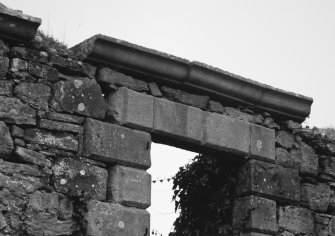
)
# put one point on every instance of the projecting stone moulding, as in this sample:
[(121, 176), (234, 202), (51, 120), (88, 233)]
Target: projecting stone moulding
[(15, 25), (103, 50)]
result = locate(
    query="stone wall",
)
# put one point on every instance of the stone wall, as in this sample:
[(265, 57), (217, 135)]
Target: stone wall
[(75, 146)]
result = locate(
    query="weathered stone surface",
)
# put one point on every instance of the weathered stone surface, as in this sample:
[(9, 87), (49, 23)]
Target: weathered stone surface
[(77, 178), (154, 89), (291, 125), (29, 54), (129, 187), (12, 110), (131, 108), (109, 76), (178, 120), (65, 209), (18, 65), (332, 226), (295, 219), (227, 134), (4, 65), (67, 65), (114, 144), (5, 88), (6, 142), (19, 142), (60, 126), (262, 143), (237, 114), (327, 166), (306, 160), (177, 95), (270, 123), (65, 117), (19, 178), (36, 95), (79, 96), (4, 49), (284, 158), (43, 201), (284, 139), (16, 131), (44, 72), (215, 107), (257, 234), (272, 181), (254, 213), (316, 197), (111, 219), (33, 157), (321, 225), (47, 138), (47, 224)]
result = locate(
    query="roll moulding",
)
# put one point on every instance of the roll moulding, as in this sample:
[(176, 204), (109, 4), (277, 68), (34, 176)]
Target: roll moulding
[(108, 51)]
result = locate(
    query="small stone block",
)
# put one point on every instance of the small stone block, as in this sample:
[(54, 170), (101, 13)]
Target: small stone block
[(316, 197), (154, 89), (269, 180), (113, 219), (296, 219), (65, 117), (16, 131), (6, 142), (33, 157), (115, 144), (80, 179), (254, 213), (262, 143), (60, 126), (227, 134), (255, 234), (131, 108), (129, 187)]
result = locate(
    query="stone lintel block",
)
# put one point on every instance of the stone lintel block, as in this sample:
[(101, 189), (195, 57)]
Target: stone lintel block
[(262, 143), (129, 187), (113, 219), (111, 143), (178, 120), (295, 219), (255, 214), (227, 134), (130, 108), (81, 179), (269, 180)]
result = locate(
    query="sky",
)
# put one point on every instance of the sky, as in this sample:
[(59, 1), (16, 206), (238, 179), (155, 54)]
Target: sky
[(288, 44)]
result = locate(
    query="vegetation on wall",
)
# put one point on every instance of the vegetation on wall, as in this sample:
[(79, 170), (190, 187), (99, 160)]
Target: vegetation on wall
[(204, 193)]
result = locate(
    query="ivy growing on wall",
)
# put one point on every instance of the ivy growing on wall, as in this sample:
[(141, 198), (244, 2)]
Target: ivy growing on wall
[(204, 193)]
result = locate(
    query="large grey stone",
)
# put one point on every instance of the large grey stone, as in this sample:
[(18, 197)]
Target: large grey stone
[(79, 96), (285, 139), (115, 144), (131, 108), (12, 110), (65, 117), (262, 143), (77, 178), (254, 213), (6, 142), (36, 95), (129, 187), (178, 120), (51, 139), (296, 219), (227, 134), (269, 180), (316, 197), (115, 220)]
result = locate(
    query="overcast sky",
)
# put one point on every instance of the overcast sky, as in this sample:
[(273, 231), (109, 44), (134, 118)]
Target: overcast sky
[(289, 44)]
